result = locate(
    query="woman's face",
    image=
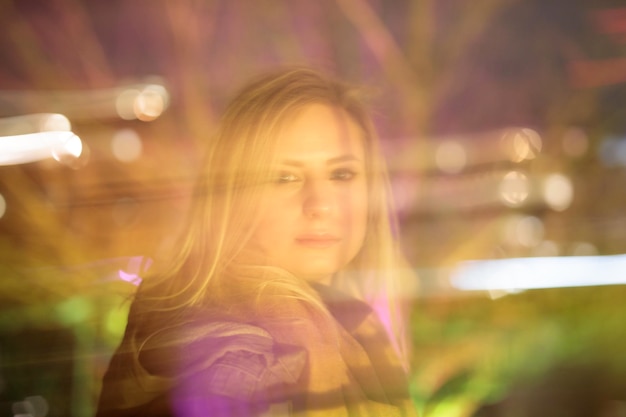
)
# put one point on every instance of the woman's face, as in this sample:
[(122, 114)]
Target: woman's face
[(313, 217)]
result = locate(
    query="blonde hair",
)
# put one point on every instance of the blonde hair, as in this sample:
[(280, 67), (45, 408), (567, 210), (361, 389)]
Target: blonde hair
[(237, 162)]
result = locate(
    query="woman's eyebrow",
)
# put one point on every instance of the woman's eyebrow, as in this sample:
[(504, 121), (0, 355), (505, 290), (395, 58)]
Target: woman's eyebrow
[(291, 162), (343, 158), (331, 161)]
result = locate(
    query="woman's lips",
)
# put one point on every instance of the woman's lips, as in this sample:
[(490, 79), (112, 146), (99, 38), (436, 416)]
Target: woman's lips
[(317, 241)]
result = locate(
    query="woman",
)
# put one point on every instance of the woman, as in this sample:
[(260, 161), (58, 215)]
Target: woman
[(285, 295)]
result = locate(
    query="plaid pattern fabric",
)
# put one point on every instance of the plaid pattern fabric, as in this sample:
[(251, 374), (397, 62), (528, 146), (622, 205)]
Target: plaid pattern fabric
[(291, 363)]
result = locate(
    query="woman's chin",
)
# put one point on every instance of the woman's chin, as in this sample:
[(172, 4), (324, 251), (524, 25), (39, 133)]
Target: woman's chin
[(321, 274)]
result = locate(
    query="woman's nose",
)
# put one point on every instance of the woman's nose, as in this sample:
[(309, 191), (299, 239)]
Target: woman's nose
[(317, 199)]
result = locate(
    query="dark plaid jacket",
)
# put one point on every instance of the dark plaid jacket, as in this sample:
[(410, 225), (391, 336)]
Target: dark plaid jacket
[(208, 366)]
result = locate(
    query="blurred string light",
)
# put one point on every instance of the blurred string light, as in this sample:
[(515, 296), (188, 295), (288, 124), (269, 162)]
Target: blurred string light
[(518, 274), (142, 101), (34, 137)]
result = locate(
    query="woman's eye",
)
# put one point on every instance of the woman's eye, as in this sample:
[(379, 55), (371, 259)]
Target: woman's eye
[(343, 175), (287, 177)]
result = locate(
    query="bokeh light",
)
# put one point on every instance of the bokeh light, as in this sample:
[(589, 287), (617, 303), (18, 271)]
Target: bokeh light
[(514, 188), (451, 157), (521, 144), (546, 248), (151, 102), (126, 145), (558, 191), (115, 321), (55, 122), (612, 151), (74, 310), (520, 230), (32, 406), (144, 103), (583, 249), (125, 103)]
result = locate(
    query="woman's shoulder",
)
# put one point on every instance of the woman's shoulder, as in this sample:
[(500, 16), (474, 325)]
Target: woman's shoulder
[(204, 363), (229, 365), (229, 358)]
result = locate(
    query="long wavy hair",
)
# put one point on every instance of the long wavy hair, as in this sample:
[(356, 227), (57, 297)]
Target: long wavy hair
[(212, 253)]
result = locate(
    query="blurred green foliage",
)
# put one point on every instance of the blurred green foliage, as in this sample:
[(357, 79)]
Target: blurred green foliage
[(473, 350)]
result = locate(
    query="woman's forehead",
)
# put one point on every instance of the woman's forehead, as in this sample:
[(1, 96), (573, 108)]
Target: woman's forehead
[(319, 130)]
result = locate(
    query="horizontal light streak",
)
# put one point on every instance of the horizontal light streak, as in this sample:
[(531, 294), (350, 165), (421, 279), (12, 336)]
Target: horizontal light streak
[(34, 123), (536, 273), (143, 101), (21, 149)]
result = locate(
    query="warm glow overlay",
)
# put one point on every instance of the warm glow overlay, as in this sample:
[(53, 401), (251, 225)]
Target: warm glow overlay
[(503, 128)]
